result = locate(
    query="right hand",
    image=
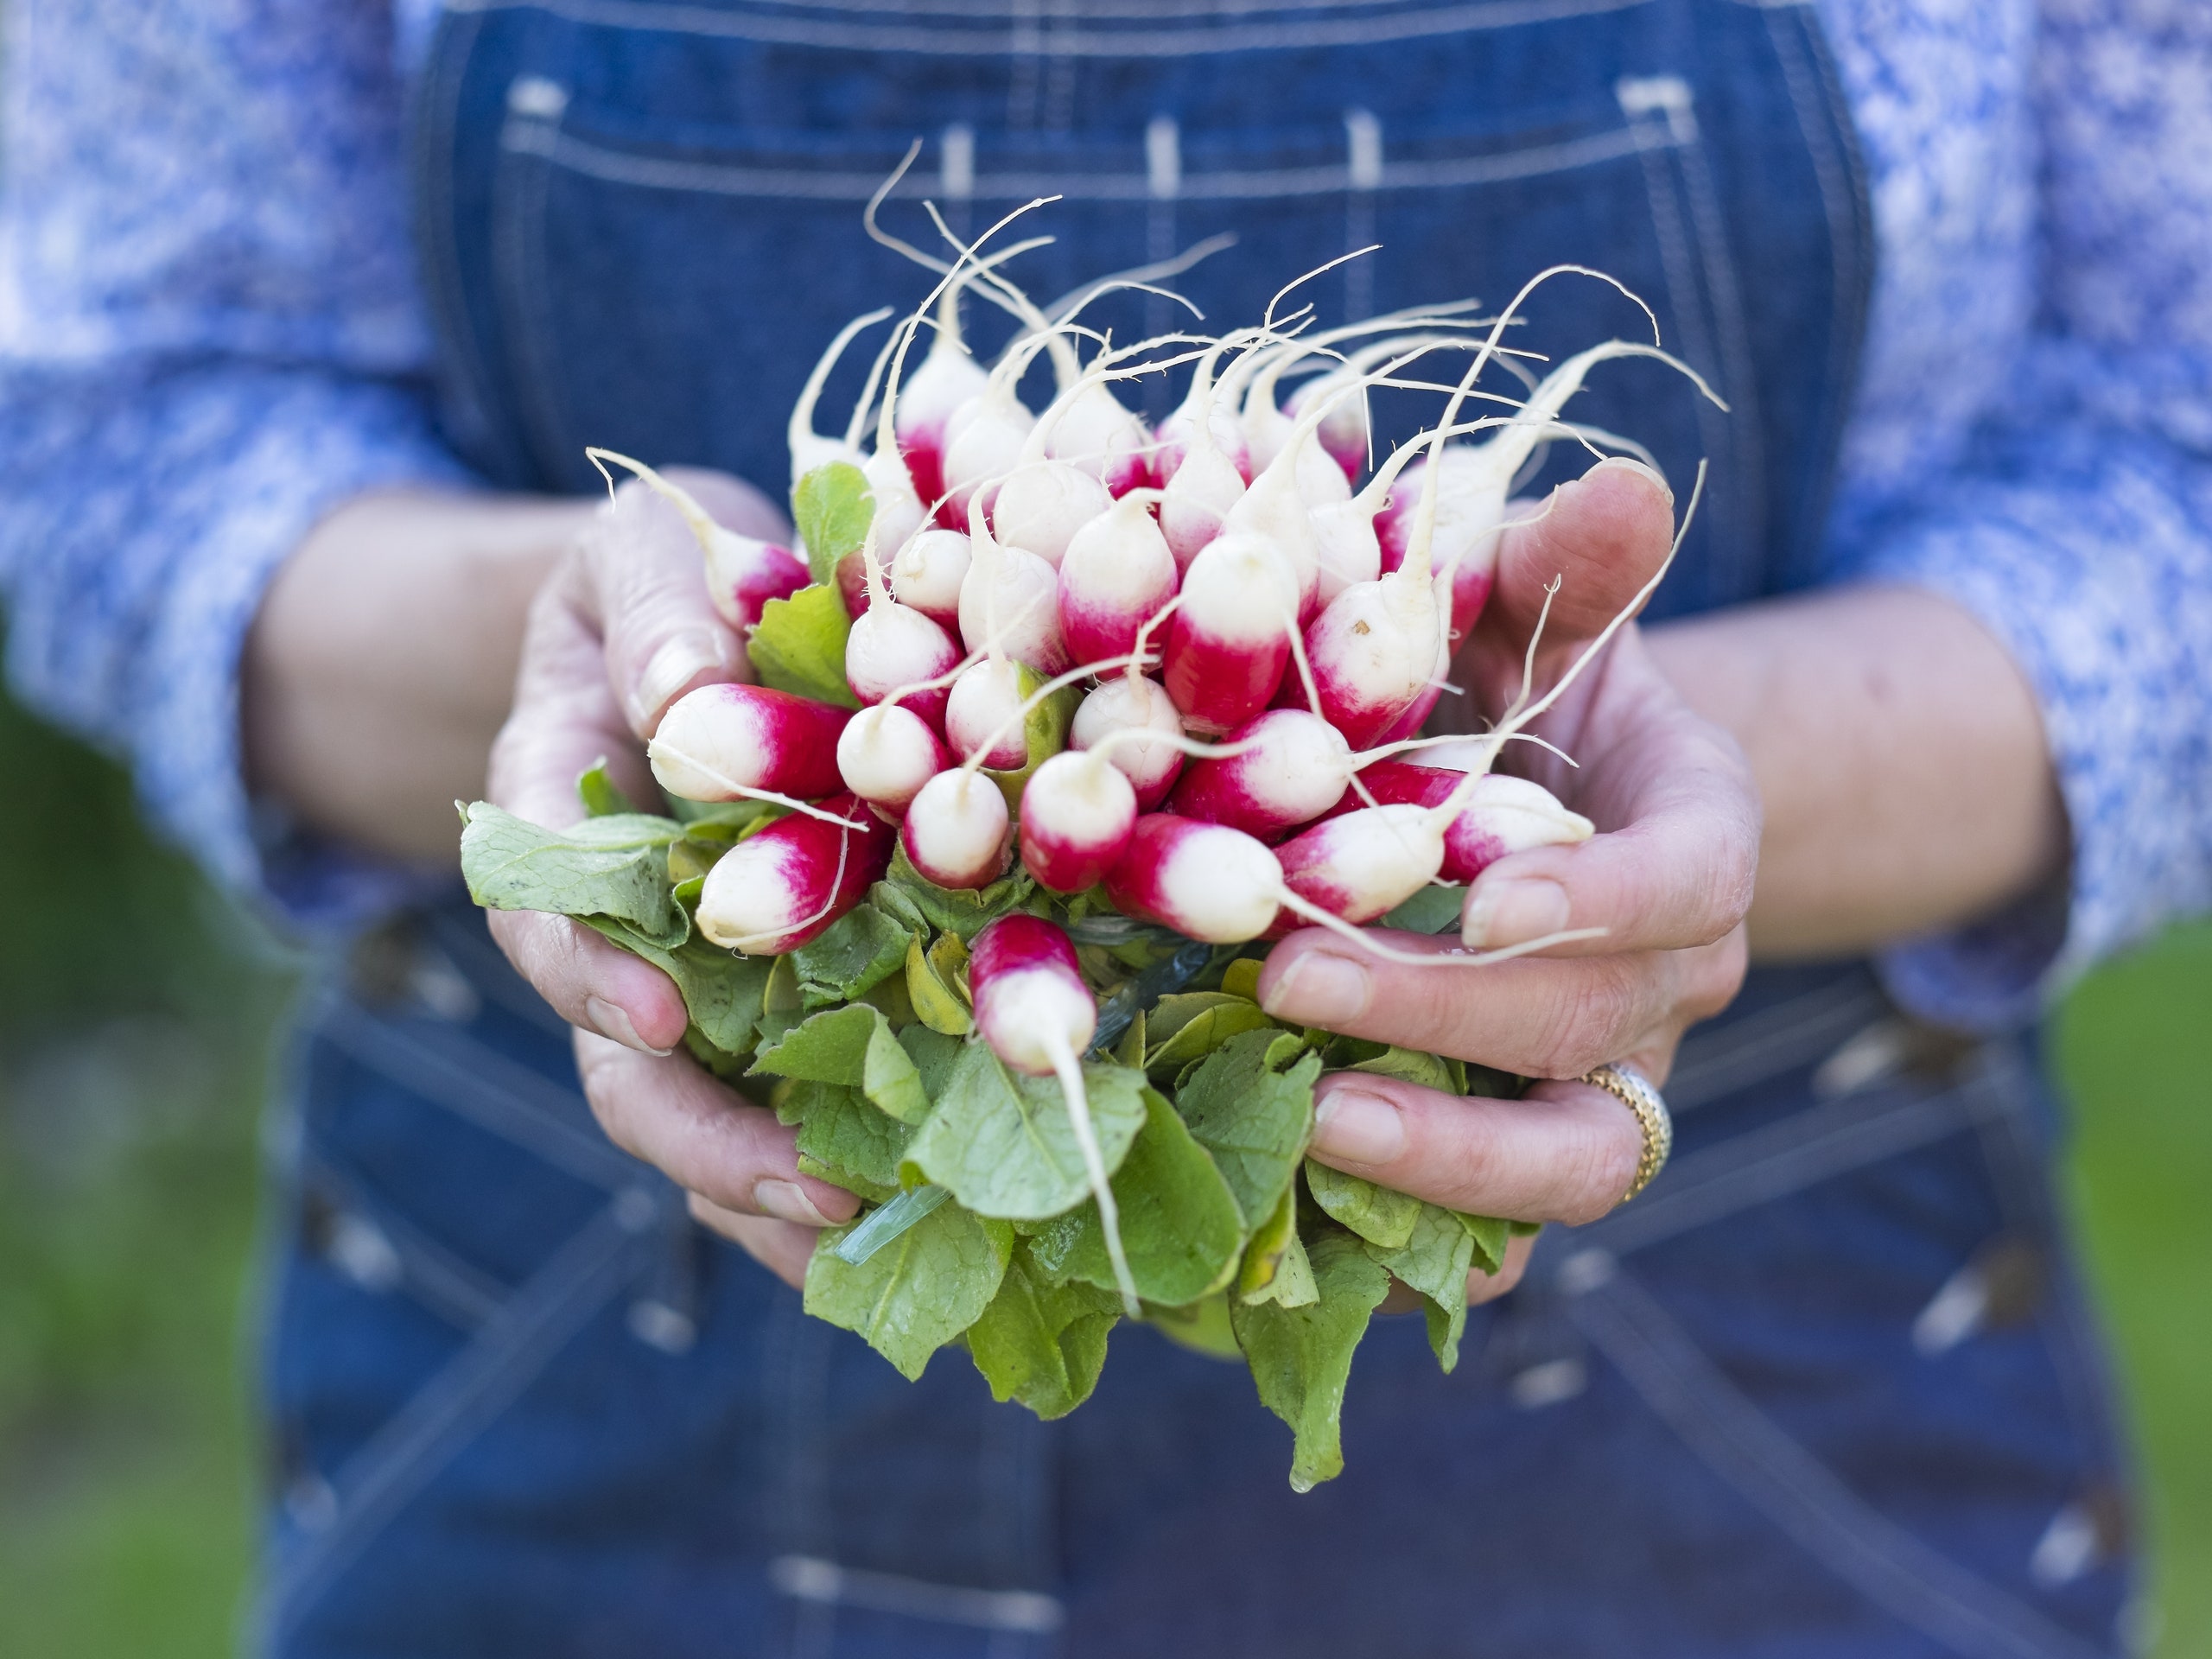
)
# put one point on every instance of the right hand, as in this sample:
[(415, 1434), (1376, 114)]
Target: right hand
[(622, 630)]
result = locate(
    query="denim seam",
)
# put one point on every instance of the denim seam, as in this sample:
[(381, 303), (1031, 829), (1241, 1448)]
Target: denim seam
[(432, 1275), (481, 1087), (519, 186), (1160, 40), (1726, 1063), (1882, 1560), (565, 151), (458, 1402)]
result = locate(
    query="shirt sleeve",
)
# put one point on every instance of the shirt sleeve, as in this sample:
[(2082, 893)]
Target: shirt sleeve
[(2077, 523), (210, 336)]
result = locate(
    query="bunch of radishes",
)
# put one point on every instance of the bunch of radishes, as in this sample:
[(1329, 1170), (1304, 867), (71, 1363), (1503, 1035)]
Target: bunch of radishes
[(1184, 665)]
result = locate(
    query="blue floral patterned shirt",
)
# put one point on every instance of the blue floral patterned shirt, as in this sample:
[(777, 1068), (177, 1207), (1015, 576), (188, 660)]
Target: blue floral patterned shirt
[(209, 335)]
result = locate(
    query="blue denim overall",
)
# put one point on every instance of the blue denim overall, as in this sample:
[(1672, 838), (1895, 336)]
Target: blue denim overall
[(1827, 1389)]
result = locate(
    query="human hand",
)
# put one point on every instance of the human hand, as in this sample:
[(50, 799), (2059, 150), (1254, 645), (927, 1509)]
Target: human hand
[(622, 630), (1669, 876)]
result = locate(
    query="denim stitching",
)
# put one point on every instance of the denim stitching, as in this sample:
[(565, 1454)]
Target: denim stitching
[(580, 155), (455, 1291), (1881, 1559), (485, 1088), (519, 193), (458, 1403), (1160, 40), (1760, 1047)]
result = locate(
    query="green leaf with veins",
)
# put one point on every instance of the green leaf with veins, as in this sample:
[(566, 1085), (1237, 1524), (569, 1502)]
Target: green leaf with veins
[(933, 1054), (945, 910), (1490, 1236), (1434, 1260), (1043, 1344), (831, 508), (846, 1136), (798, 645), (1003, 1143), (1045, 732), (850, 957), (615, 866), (919, 1291), (721, 989), (1301, 1357), (1376, 1213), (1411, 1065), (854, 1046), (1276, 1267), (1202, 1326), (1253, 1115), (1192, 1024), (1432, 910), (1180, 1228)]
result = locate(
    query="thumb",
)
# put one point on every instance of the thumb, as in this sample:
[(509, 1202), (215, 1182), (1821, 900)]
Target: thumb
[(1600, 537)]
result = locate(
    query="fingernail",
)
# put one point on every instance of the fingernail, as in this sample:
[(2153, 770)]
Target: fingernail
[(674, 666), (787, 1201), (1320, 989), (614, 1023), (1500, 913), (1357, 1127), (1633, 465)]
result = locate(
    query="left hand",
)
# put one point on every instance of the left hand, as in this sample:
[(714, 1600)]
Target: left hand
[(1669, 876)]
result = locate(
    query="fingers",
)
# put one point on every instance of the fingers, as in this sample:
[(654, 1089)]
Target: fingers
[(703, 1136), (1489, 1287), (1536, 1016), (783, 1247), (647, 588), (1602, 535), (1567, 1155), (593, 984)]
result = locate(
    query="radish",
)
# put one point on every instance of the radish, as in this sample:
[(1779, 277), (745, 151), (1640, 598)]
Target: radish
[(893, 648), (1295, 768), (1043, 503), (1010, 597), (1078, 811), (742, 574), (985, 436), (957, 829), (810, 449), (1132, 704), (949, 377), (1503, 814), (1096, 433), (1200, 460), (776, 890), (927, 573), (1205, 880), (986, 709), (1038, 1016), (1116, 574), (744, 743), (885, 753), (1365, 863), (1347, 547), (1228, 642), (1056, 487)]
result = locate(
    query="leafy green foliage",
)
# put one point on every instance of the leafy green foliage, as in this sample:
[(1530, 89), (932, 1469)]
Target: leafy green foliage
[(850, 957), (601, 795), (845, 1138), (721, 989), (1376, 1213), (1003, 1143), (1045, 731), (798, 645), (1040, 1343), (615, 866), (912, 897), (852, 1046), (1250, 1103), (1301, 1357), (1276, 1267), (919, 1291), (1192, 1024), (1180, 1223), (1432, 910), (832, 507), (1434, 1260)]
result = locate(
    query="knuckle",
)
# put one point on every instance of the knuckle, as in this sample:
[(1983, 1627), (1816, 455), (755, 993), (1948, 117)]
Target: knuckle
[(1597, 1006)]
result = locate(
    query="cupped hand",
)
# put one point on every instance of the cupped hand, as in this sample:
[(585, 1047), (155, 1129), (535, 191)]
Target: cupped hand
[(1668, 876), (622, 630)]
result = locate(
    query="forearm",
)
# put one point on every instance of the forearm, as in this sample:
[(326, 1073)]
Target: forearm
[(1903, 762), (383, 658)]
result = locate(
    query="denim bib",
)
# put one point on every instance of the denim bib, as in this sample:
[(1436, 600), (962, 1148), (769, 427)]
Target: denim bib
[(1825, 1390)]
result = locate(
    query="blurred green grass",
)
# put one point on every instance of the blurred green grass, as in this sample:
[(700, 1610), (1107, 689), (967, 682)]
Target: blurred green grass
[(134, 1022)]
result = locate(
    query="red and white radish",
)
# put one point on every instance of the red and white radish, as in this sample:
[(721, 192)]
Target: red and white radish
[(948, 376), (1150, 757), (743, 574), (742, 743), (986, 709), (810, 449), (927, 573), (1043, 503), (777, 889), (1501, 814), (1228, 642), (1009, 601), (957, 830), (1078, 814), (1115, 576), (1294, 767), (1205, 880), (886, 752)]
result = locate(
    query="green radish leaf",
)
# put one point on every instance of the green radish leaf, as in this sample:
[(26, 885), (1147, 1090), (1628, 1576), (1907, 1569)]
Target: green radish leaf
[(1197, 1032), (919, 1291), (906, 891), (1253, 1115), (601, 795), (1432, 910), (799, 645), (1411, 1065), (1202, 1326), (1276, 1267), (1376, 1213), (850, 957), (721, 989), (615, 866), (854, 1046), (831, 507), (1242, 978), (724, 820), (1180, 1228), (1301, 1357), (1491, 1236), (1004, 1145), (1434, 1260), (933, 985), (840, 1130), (934, 1055), (1043, 1344)]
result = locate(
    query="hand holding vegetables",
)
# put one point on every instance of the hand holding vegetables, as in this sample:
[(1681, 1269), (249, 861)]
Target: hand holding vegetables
[(1063, 1086)]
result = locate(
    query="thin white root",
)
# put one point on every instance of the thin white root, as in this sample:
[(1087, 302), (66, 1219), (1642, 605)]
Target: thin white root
[(1456, 957), (659, 746), (696, 518), (1069, 1070)]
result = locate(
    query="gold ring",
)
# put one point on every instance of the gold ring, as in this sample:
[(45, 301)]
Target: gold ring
[(1627, 1085)]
